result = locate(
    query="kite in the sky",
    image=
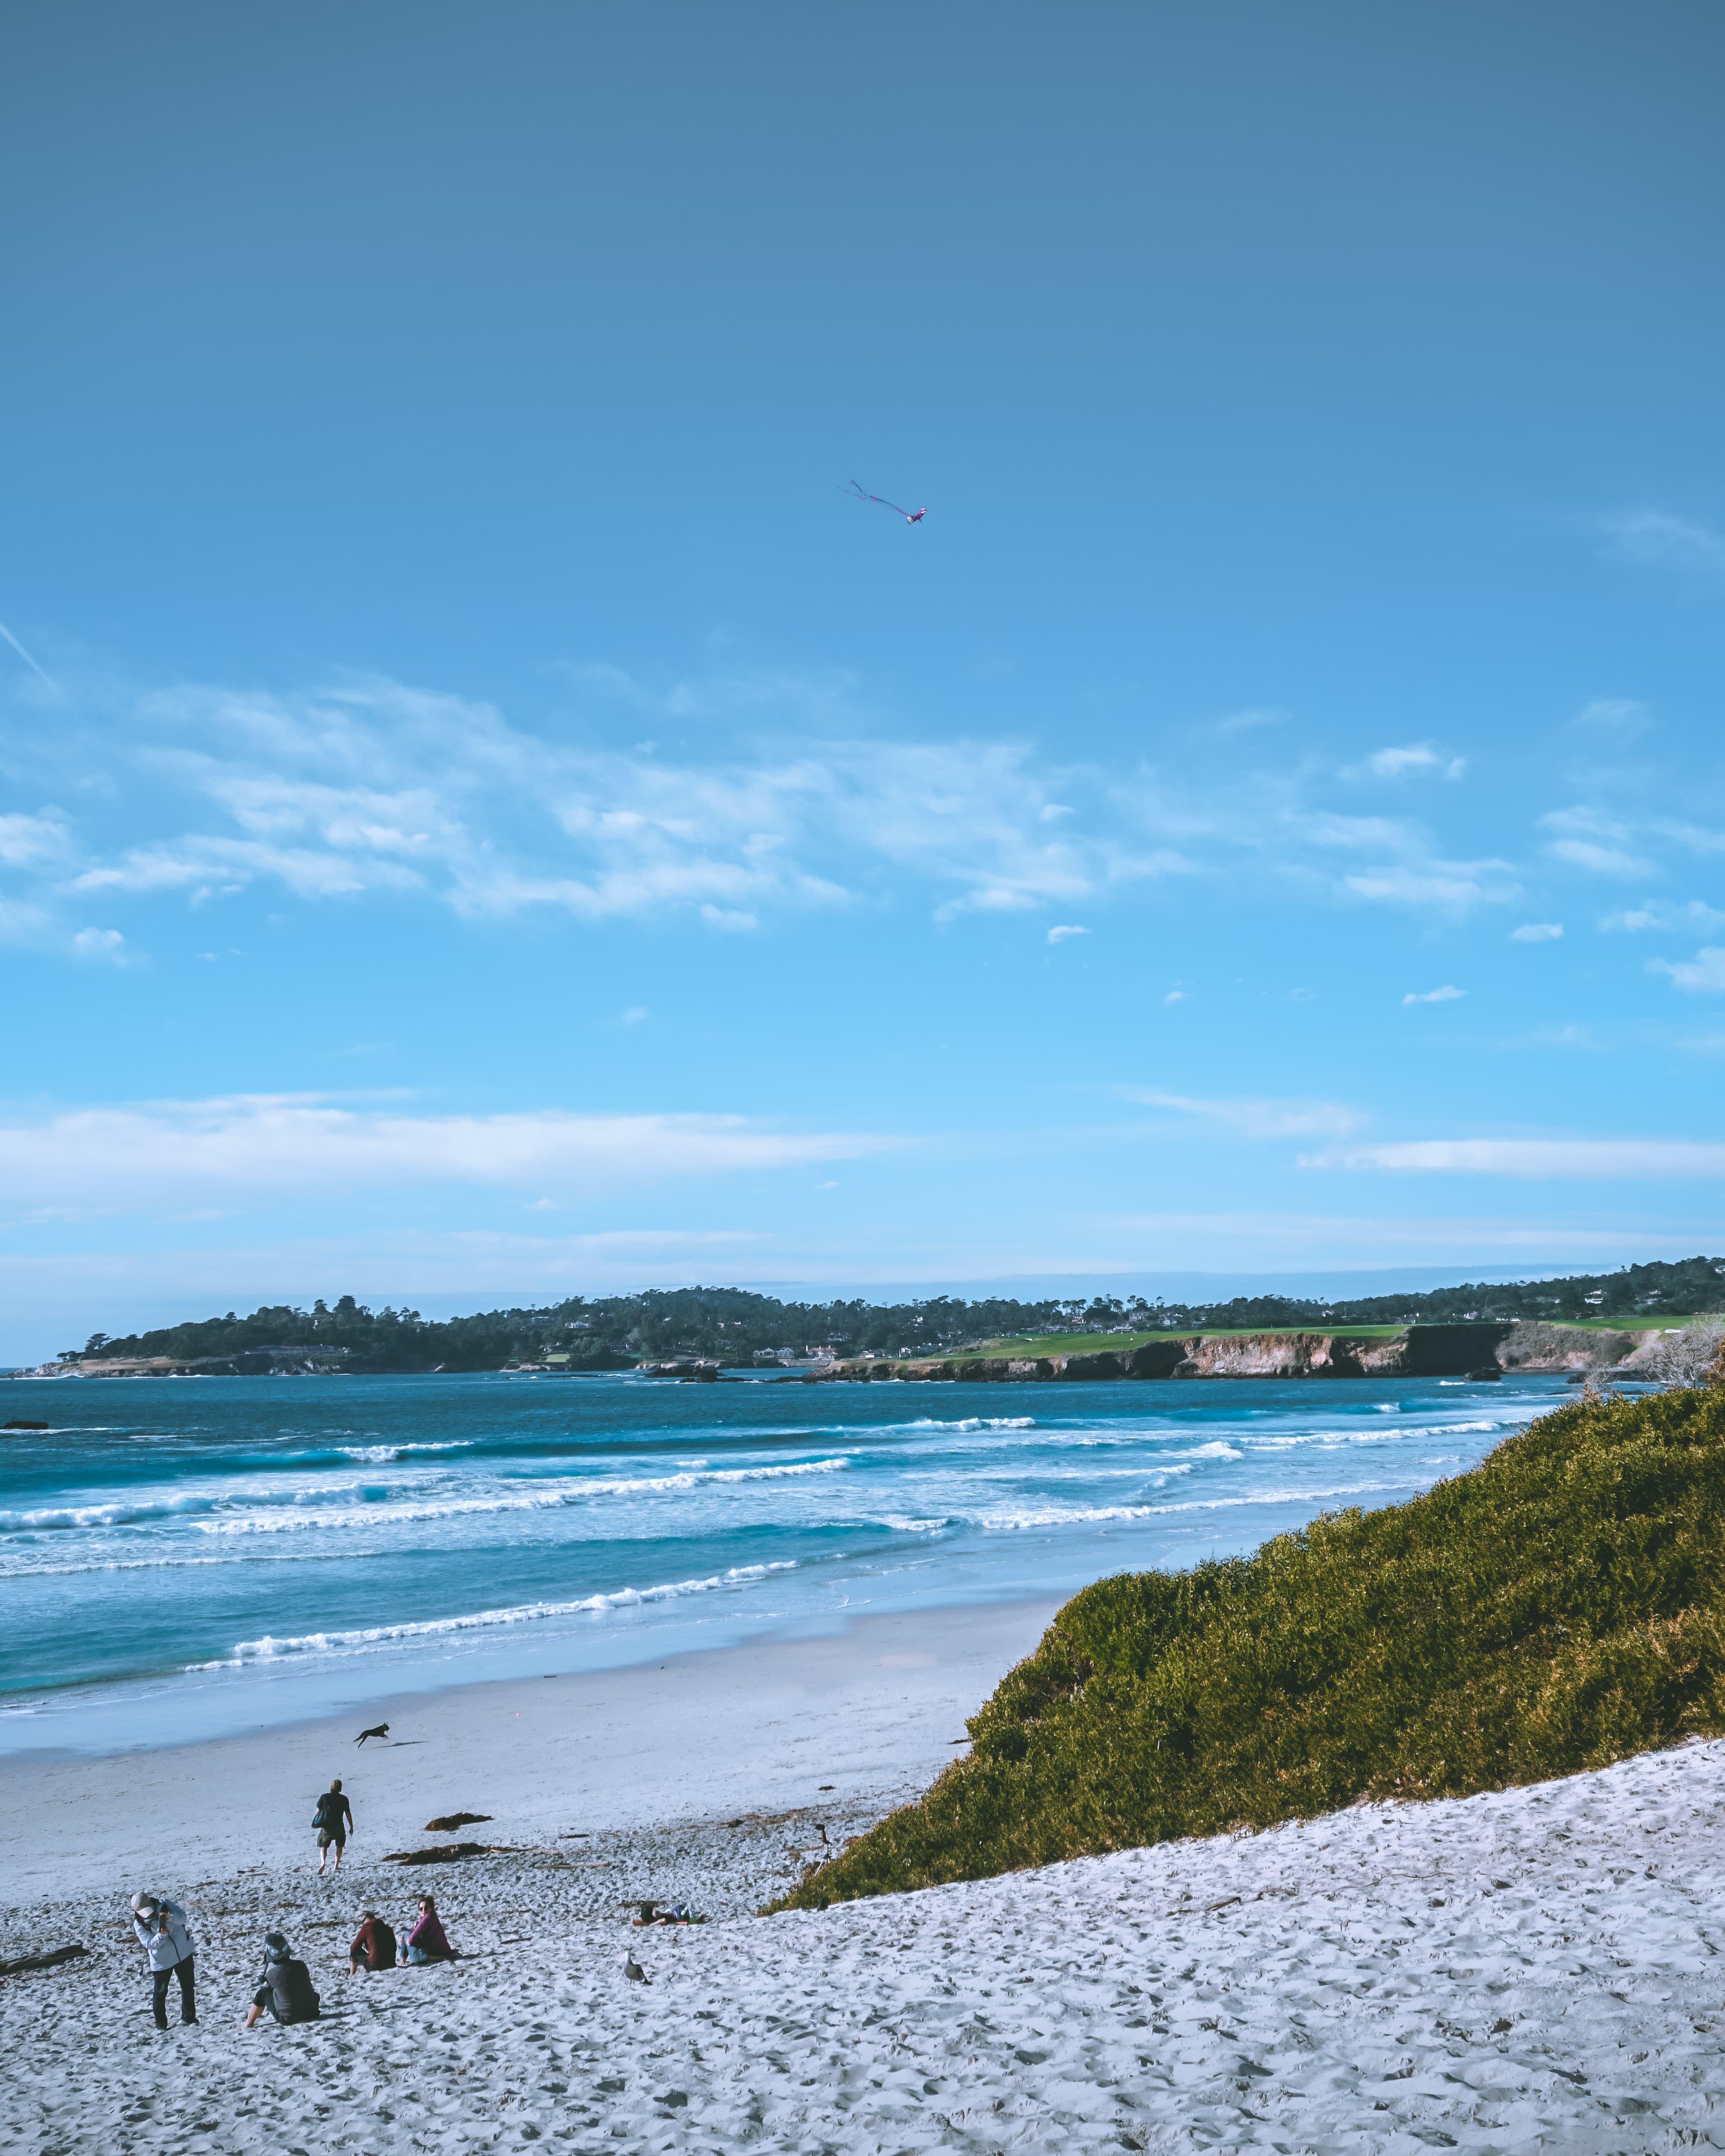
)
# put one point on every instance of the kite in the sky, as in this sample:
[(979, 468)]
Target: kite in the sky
[(909, 516)]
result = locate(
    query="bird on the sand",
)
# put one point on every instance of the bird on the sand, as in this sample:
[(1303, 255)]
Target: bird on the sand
[(381, 1730), (633, 1970)]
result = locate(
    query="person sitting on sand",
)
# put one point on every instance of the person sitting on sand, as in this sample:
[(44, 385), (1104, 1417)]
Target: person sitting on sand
[(427, 1942), (287, 1989), (166, 1938), (373, 1944), (334, 1821)]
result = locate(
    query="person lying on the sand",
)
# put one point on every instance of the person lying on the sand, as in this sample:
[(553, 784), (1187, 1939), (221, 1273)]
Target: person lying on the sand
[(373, 1944), (287, 1989), (679, 1912), (426, 1942), (166, 1936)]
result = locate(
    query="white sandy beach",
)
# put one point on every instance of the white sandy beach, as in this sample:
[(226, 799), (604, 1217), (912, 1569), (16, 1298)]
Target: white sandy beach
[(1534, 1970)]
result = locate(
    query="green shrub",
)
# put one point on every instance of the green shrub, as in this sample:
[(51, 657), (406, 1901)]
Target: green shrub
[(1560, 1606)]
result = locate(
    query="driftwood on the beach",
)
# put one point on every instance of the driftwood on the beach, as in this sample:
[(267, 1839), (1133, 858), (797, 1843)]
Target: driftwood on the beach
[(25, 1963), (448, 1822), (444, 1852)]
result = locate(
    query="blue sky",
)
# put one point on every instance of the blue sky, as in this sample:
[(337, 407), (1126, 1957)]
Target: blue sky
[(484, 817)]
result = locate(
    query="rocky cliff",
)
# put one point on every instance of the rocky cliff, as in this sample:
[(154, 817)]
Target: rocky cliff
[(1421, 1351)]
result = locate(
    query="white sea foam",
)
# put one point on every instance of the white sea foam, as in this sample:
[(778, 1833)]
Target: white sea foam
[(968, 1423), (268, 1649), (1008, 1519), (557, 1498), (117, 1512), (382, 1454)]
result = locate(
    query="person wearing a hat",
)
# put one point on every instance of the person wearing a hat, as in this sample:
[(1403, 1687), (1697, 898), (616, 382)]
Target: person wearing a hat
[(287, 1989), (166, 1938)]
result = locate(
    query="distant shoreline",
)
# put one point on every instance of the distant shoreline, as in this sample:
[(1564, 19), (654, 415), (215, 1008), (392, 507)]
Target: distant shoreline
[(1482, 1349)]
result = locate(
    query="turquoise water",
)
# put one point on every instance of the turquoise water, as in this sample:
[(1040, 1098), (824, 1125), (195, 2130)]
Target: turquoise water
[(184, 1557)]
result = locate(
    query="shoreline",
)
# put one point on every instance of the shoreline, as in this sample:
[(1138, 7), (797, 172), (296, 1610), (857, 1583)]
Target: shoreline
[(862, 1716)]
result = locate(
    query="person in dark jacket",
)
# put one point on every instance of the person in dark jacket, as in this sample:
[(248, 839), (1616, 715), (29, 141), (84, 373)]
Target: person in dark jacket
[(166, 1938), (287, 1989), (373, 1945), (334, 1821)]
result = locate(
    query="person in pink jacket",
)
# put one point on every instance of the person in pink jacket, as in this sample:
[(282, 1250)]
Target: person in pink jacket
[(427, 1941)]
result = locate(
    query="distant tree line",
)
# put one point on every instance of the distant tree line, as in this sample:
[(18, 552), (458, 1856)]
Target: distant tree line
[(737, 1327)]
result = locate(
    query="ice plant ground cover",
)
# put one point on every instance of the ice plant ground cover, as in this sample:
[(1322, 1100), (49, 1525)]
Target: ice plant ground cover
[(1558, 1607)]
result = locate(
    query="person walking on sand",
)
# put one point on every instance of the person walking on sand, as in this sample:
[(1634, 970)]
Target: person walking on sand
[(286, 1989), (169, 1948), (428, 1942), (334, 1821)]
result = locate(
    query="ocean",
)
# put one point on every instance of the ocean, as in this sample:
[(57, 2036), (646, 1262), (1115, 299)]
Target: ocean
[(187, 1558)]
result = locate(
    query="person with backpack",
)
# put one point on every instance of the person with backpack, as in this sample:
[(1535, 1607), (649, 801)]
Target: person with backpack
[(287, 1989), (334, 1821), (166, 1938), (373, 1945)]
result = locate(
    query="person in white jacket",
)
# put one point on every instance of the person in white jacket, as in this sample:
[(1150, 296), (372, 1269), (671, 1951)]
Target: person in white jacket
[(166, 1938)]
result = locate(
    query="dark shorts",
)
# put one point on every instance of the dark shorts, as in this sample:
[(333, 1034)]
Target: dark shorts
[(326, 1835)]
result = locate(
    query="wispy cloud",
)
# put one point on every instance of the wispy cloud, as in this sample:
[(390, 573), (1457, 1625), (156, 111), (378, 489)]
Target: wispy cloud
[(1588, 839), (1704, 974), (799, 801), (116, 1157), (1446, 994), (1584, 1159), (1418, 758), (1253, 1117), (1697, 917), (1655, 536), (1618, 718), (1059, 935), (107, 944), (40, 672), (1537, 931)]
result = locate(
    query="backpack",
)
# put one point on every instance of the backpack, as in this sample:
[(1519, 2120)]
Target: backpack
[(329, 1810)]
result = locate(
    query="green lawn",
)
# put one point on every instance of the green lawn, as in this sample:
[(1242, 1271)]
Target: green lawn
[(1092, 1343)]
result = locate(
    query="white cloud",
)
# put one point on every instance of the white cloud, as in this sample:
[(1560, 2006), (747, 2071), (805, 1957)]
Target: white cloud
[(34, 841), (1444, 995), (1249, 721), (1416, 757), (302, 1144), (1654, 536), (376, 791), (1175, 996), (1704, 974), (377, 787), (1537, 931), (1587, 838), (1255, 1117), (1695, 918), (1620, 717), (1059, 935), (1407, 870), (633, 1014), (106, 943), (1581, 1158)]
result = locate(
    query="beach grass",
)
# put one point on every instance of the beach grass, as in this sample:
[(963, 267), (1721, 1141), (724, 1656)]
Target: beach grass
[(1559, 1607)]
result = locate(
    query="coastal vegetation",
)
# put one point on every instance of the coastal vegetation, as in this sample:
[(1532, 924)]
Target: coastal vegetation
[(734, 1325), (1560, 1606)]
